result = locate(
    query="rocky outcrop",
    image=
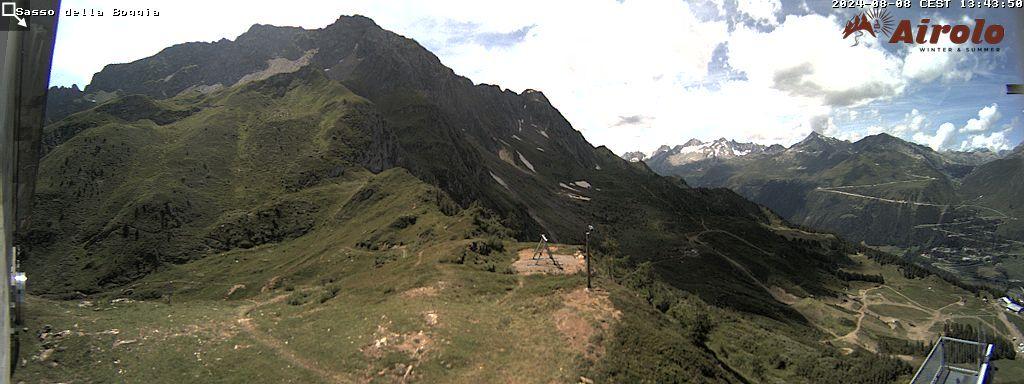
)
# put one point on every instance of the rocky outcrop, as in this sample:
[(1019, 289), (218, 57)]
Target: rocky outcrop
[(64, 101)]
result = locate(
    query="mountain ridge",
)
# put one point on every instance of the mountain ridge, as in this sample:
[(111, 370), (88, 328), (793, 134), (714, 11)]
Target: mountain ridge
[(512, 153), (350, 166), (969, 157), (696, 150), (880, 189)]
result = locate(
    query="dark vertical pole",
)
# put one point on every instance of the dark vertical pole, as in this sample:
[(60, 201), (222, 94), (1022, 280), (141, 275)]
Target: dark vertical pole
[(587, 256)]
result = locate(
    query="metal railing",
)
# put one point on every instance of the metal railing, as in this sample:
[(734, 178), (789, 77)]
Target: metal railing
[(954, 360)]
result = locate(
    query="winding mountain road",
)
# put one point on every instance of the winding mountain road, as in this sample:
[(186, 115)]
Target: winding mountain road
[(836, 190)]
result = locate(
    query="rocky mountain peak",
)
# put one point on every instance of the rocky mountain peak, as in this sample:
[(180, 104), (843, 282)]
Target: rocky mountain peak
[(696, 150), (883, 139), (535, 95), (634, 157), (816, 142), (692, 142), (812, 137)]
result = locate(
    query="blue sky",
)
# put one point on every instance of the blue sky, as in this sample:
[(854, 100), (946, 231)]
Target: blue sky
[(635, 74)]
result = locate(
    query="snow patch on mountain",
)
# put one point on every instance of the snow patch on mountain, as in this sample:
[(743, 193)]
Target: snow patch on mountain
[(582, 183), (526, 162), (499, 180), (696, 150)]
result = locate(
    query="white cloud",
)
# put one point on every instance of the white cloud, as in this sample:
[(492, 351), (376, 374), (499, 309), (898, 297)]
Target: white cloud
[(939, 139), (915, 123), (912, 123), (925, 66), (644, 66), (945, 64), (987, 116), (761, 10), (803, 57), (995, 141)]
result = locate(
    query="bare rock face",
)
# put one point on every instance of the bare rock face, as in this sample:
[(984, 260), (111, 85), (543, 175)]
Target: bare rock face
[(179, 67), (64, 101), (378, 146)]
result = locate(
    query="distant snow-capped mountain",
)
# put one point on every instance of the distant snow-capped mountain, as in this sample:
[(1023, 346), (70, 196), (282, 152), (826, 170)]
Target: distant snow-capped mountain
[(635, 156), (881, 175), (695, 150)]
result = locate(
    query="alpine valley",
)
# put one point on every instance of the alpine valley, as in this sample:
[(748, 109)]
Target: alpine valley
[(953, 210), (336, 205)]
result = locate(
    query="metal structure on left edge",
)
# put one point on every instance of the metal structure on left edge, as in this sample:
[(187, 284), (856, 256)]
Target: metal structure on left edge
[(27, 44)]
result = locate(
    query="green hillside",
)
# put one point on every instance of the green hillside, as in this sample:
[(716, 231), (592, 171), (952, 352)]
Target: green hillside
[(996, 184), (886, 192), (357, 216)]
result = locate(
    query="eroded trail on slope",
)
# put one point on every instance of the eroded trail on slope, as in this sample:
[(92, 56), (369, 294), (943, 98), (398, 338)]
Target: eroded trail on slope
[(777, 293), (281, 348)]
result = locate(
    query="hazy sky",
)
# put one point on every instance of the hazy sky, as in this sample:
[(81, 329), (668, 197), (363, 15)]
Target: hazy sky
[(636, 74)]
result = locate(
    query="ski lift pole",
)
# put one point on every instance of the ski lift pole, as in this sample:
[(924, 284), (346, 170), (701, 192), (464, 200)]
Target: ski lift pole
[(586, 255)]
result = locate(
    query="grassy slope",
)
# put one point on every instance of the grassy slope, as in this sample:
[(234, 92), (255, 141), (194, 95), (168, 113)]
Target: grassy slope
[(356, 264), (337, 286), (275, 250), (328, 300), (324, 306), (996, 184), (330, 296), (148, 194)]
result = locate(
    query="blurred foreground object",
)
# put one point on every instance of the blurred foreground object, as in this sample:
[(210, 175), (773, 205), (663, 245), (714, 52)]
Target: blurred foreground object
[(27, 46)]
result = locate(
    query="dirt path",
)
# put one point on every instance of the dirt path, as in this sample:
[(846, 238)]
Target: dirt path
[(853, 337), (280, 347), (778, 296), (912, 301), (920, 332), (744, 241), (1018, 338)]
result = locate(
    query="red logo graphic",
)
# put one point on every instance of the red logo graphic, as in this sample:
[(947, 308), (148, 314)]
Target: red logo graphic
[(874, 21), (879, 21), (859, 23)]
